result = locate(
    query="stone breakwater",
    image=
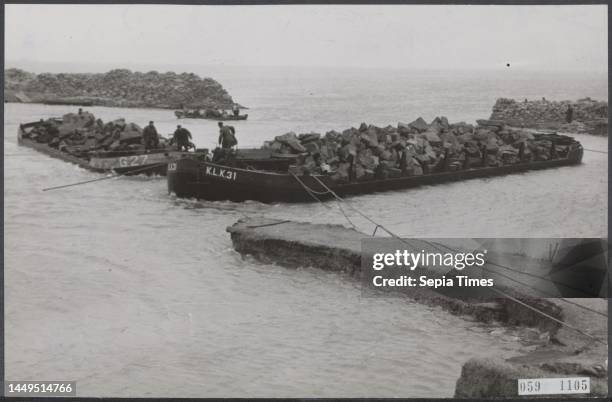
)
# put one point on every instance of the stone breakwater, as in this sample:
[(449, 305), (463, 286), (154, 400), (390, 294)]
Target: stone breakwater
[(117, 88), (587, 116)]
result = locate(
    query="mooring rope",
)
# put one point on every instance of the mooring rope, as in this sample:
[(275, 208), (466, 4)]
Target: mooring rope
[(527, 274), (514, 299), (105, 177), (595, 150), (546, 292), (308, 190), (340, 199), (267, 224)]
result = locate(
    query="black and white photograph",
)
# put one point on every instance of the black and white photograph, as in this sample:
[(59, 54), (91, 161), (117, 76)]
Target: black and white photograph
[(256, 200)]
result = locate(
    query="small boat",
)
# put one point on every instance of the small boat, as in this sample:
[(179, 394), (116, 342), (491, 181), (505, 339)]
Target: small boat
[(207, 114), (241, 180), (149, 162)]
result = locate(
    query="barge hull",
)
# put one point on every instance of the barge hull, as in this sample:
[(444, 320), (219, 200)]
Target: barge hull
[(206, 180), (122, 165)]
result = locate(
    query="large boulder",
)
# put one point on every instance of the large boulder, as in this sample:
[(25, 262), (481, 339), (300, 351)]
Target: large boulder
[(419, 124), (309, 137), (333, 136), (432, 137), (483, 134), (508, 149), (290, 139), (370, 138), (349, 134), (342, 173), (492, 145), (345, 151), (368, 160), (312, 147), (131, 134)]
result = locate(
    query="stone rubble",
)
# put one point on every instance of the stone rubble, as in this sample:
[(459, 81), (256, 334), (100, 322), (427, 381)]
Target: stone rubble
[(415, 148), (119, 88), (589, 116), (79, 134)]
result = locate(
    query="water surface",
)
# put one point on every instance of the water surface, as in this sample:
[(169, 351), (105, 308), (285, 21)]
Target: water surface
[(132, 292)]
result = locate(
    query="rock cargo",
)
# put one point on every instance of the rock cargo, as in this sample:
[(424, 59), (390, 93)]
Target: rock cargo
[(416, 148), (80, 133)]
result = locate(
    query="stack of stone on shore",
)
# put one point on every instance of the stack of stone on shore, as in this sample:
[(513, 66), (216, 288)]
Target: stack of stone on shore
[(588, 115), (79, 134), (412, 149), (118, 88)]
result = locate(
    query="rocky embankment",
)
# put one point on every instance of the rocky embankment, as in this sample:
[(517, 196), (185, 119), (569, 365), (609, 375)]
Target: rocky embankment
[(587, 115), (118, 88), (80, 133), (567, 354), (416, 148)]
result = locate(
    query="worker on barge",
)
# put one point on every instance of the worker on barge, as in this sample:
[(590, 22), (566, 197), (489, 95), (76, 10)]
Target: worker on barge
[(227, 137), (569, 114), (150, 138), (227, 140), (182, 138)]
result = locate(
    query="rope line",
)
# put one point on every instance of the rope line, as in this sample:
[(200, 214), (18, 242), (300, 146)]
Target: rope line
[(595, 150), (546, 292), (345, 214), (105, 177), (548, 316), (340, 199), (523, 273), (267, 224), (314, 197)]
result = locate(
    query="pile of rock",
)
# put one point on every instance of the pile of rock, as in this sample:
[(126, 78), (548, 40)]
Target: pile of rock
[(415, 148), (81, 133), (120, 87), (588, 115)]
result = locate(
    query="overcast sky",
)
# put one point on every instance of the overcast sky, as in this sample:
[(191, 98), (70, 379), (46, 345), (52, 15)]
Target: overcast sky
[(404, 36)]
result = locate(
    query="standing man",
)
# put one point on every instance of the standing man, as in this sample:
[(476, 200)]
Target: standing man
[(569, 114), (236, 110), (181, 137), (150, 136), (227, 139)]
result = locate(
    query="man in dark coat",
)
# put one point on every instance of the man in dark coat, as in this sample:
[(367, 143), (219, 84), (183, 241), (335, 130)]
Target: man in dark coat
[(150, 136), (227, 139), (182, 138), (569, 114)]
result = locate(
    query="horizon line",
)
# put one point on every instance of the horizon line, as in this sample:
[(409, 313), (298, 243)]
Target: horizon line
[(148, 66)]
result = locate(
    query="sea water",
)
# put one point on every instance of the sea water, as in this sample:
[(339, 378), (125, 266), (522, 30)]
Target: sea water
[(132, 292)]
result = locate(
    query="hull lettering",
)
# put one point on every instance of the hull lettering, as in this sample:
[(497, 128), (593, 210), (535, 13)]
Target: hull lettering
[(220, 172)]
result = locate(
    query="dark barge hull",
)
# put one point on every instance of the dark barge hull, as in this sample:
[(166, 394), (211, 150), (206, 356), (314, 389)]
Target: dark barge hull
[(67, 102), (205, 180), (182, 115), (128, 164)]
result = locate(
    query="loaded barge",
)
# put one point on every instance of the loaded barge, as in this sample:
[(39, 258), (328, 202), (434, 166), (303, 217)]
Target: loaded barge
[(150, 162), (271, 180)]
